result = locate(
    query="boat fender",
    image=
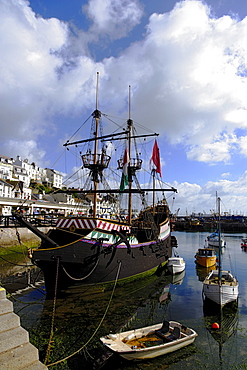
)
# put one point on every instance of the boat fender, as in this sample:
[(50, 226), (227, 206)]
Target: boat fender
[(130, 336), (30, 253), (112, 336)]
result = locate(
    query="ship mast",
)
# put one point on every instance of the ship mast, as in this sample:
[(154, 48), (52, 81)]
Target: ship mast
[(130, 129), (96, 115), (97, 161)]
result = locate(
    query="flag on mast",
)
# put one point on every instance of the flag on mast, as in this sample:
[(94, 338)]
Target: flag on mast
[(156, 158), (125, 178)]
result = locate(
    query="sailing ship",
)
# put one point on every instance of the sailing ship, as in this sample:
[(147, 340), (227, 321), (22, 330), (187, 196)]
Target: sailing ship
[(220, 286), (92, 249)]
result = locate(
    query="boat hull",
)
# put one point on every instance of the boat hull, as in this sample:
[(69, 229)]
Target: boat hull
[(215, 243), (130, 353), (87, 261), (206, 261), (206, 257), (220, 293), (175, 265)]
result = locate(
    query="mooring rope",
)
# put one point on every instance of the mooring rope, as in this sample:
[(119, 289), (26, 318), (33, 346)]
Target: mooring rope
[(84, 277), (13, 263), (53, 315), (94, 333)]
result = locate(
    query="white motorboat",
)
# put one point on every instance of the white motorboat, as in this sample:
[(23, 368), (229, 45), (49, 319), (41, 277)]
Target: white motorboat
[(151, 341), (213, 240), (175, 265)]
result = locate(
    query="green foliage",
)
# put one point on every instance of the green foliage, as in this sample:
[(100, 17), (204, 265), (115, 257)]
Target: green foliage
[(40, 188), (15, 253)]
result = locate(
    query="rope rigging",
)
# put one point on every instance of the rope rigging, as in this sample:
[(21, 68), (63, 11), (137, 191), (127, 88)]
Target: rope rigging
[(98, 327)]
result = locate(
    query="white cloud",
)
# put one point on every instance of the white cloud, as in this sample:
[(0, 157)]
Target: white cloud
[(196, 198), (188, 76), (28, 79), (114, 18), (225, 174)]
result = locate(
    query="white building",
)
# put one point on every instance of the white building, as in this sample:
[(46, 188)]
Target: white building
[(21, 174), (6, 167), (6, 189), (38, 174), (54, 177)]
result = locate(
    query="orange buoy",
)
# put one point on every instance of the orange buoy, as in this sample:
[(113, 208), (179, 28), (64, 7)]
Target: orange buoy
[(215, 325)]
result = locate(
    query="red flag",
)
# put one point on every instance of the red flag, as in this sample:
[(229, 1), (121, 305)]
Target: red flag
[(156, 157), (125, 179)]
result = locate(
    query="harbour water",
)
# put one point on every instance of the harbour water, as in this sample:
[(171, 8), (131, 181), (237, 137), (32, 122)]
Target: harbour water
[(82, 316)]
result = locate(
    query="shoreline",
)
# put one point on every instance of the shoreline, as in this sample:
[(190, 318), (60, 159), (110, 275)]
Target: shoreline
[(16, 269), (9, 236)]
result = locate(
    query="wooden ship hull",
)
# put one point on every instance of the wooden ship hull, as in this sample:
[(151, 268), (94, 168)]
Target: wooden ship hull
[(106, 252)]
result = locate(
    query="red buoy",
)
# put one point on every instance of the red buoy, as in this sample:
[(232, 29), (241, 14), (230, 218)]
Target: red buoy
[(215, 325)]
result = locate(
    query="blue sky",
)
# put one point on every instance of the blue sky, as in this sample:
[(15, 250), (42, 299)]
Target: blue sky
[(186, 63)]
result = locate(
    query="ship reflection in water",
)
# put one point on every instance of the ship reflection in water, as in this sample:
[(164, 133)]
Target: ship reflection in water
[(79, 312)]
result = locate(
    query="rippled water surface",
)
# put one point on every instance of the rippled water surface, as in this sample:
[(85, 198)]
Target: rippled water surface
[(78, 316)]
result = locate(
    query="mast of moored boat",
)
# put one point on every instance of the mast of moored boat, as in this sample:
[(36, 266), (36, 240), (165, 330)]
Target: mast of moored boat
[(153, 173), (219, 235), (96, 116)]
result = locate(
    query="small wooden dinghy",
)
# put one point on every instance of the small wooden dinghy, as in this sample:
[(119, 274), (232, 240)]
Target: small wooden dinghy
[(151, 341)]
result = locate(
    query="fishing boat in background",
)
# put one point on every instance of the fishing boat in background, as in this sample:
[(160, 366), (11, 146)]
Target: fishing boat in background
[(206, 257), (220, 286), (92, 248), (151, 341), (214, 240), (244, 243)]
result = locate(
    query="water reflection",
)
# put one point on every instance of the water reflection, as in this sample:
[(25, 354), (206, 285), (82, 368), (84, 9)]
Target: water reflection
[(178, 278), (148, 301), (222, 323), (79, 312), (202, 272)]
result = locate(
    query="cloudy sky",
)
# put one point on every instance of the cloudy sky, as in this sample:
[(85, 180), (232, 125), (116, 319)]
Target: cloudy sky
[(186, 62)]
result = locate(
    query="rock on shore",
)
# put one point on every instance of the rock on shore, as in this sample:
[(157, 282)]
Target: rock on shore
[(8, 237)]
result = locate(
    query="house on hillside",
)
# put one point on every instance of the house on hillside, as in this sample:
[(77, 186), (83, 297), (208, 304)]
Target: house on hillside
[(55, 178)]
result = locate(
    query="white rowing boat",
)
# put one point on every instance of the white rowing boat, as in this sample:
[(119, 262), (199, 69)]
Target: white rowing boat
[(151, 341)]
